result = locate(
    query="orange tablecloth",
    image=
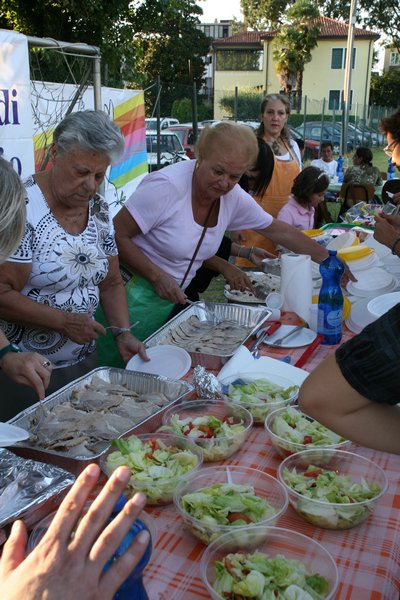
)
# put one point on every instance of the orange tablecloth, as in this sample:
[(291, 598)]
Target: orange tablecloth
[(368, 556)]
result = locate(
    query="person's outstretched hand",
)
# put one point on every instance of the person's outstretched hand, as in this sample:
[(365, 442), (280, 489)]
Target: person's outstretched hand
[(62, 567), (28, 368)]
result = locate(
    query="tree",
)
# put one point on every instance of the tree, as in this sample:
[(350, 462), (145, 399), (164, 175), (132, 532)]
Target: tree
[(165, 39), (138, 40), (385, 89), (293, 44)]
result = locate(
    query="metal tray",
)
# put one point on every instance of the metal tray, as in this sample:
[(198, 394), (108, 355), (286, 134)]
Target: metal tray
[(250, 316), (35, 488), (133, 380)]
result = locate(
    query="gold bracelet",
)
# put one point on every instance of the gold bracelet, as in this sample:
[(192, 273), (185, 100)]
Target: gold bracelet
[(250, 253)]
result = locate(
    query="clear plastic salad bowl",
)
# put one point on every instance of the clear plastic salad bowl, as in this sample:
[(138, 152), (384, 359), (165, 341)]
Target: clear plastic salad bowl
[(333, 489), (158, 461), (260, 392), (292, 431), (297, 565), (218, 428), (220, 499)]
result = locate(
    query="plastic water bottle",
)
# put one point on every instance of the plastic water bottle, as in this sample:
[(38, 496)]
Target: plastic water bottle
[(133, 586), (330, 301), (339, 169), (390, 171)]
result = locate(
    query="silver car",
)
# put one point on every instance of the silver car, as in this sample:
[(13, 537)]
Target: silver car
[(171, 150)]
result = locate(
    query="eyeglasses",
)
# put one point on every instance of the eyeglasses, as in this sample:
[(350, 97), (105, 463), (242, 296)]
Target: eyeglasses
[(390, 148)]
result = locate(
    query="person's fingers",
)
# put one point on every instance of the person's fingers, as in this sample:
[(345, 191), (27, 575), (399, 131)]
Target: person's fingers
[(142, 353), (14, 549), (71, 507), (95, 518), (111, 538), (123, 566), (99, 328)]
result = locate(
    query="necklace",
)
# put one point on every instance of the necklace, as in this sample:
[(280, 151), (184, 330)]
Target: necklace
[(275, 147)]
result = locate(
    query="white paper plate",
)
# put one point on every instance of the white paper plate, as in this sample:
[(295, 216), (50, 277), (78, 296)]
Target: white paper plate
[(359, 316), (10, 434), (304, 337), (167, 360), (381, 304), (371, 280)]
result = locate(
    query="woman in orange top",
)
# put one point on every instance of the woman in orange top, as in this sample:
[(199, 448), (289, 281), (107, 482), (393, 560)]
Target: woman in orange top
[(275, 110)]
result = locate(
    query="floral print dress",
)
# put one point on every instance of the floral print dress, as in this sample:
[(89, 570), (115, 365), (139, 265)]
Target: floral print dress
[(66, 270)]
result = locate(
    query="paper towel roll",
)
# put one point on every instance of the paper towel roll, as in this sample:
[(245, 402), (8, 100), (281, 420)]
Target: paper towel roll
[(296, 284)]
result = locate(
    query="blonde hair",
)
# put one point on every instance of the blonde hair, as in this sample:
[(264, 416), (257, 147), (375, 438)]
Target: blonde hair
[(228, 135), (12, 210)]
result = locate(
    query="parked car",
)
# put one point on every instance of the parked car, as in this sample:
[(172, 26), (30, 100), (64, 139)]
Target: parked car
[(185, 133), (171, 149), (315, 130), (311, 147), (151, 123)]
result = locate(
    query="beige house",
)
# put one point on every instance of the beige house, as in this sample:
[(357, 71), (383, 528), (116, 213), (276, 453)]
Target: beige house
[(391, 59), (245, 60)]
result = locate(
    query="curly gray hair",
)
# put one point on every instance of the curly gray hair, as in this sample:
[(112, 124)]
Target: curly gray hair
[(91, 130)]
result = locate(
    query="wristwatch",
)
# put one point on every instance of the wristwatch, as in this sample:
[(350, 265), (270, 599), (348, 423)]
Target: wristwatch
[(9, 348)]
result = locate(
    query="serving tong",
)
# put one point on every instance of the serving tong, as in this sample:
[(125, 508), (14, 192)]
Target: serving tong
[(265, 333)]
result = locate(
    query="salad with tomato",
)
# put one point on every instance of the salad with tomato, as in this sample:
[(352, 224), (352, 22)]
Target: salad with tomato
[(261, 396), (295, 430), (155, 465), (329, 499), (215, 509), (217, 438), (256, 575)]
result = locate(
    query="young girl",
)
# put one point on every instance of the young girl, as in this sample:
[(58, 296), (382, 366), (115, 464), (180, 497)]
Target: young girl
[(308, 190)]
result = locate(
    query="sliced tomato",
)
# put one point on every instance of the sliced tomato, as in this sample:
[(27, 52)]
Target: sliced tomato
[(232, 517), (314, 473), (307, 439)]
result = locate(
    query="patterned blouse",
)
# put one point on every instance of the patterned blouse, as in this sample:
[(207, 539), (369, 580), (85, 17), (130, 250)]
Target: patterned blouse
[(66, 270), (363, 174)]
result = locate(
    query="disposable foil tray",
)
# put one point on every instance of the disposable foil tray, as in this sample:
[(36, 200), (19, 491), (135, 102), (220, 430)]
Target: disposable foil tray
[(29, 489), (249, 316), (133, 380)]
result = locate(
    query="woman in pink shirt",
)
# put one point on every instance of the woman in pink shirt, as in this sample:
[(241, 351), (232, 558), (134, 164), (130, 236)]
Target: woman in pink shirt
[(308, 191)]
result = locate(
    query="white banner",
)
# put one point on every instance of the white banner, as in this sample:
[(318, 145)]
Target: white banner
[(16, 129)]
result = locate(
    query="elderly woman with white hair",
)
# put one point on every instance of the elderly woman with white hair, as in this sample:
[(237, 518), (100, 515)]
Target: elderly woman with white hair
[(67, 261), (176, 219)]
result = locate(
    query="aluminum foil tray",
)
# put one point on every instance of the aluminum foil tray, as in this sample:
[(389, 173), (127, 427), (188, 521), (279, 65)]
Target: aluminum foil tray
[(133, 380), (249, 316), (28, 489)]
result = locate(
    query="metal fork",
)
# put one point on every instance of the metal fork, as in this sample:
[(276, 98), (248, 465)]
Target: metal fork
[(279, 341)]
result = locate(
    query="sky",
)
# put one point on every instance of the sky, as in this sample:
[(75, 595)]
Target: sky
[(219, 9)]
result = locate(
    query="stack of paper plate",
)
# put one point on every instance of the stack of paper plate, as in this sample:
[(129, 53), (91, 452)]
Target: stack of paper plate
[(359, 257), (381, 304), (372, 282), (380, 249), (391, 264), (344, 240), (359, 316)]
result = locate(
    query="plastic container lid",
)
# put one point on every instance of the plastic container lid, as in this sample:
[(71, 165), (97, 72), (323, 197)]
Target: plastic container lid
[(314, 232), (355, 252)]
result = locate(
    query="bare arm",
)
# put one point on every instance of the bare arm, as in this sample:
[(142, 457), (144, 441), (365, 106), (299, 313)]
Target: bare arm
[(326, 396), (285, 235), (22, 310), (114, 304), (237, 279), (125, 229)]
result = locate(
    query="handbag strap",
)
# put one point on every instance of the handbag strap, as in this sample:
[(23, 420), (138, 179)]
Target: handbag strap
[(203, 233)]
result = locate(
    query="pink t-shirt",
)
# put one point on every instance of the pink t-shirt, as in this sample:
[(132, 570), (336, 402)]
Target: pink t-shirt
[(162, 207), (297, 215)]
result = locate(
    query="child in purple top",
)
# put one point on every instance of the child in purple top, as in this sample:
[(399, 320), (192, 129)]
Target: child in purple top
[(308, 191)]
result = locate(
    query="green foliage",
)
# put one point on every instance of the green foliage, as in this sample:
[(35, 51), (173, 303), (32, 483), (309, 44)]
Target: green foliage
[(182, 110), (385, 88), (248, 105), (293, 44)]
